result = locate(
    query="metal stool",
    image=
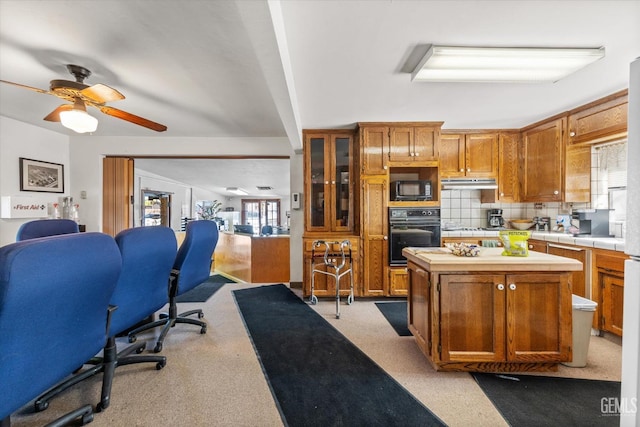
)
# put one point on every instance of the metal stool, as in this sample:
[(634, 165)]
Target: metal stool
[(332, 260)]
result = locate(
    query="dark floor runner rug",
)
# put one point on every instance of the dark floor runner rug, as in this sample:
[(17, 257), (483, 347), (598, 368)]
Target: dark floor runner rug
[(528, 400), (317, 376), (205, 290), (396, 315)]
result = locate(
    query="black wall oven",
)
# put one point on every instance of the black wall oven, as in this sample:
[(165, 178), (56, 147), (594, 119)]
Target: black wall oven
[(412, 227)]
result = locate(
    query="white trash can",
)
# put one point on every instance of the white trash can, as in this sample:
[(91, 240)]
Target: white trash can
[(582, 313)]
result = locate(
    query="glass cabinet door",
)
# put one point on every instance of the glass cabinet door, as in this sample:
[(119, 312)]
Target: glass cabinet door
[(319, 182), (341, 183), (329, 187)]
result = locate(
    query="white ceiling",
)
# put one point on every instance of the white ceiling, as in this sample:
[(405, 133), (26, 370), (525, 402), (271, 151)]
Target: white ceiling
[(257, 68)]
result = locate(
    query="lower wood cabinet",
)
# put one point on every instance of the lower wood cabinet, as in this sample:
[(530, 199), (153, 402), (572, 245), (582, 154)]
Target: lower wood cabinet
[(398, 281), (579, 279), (503, 318), (325, 284), (608, 290)]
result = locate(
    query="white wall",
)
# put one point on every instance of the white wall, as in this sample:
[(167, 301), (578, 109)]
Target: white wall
[(17, 140)]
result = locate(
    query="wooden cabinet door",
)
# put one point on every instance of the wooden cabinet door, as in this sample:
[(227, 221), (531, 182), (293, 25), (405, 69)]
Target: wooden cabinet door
[(419, 321), (452, 155), (481, 155), (601, 121), (577, 175), (612, 302), (374, 150), (538, 317), (508, 181), (578, 278), (375, 244), (472, 317), (398, 281), (425, 143), (543, 162), (342, 183), (401, 144)]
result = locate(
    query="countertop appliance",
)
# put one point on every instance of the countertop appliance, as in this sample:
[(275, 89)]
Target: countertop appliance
[(630, 371), (494, 218), (412, 227), (590, 222), (411, 190)]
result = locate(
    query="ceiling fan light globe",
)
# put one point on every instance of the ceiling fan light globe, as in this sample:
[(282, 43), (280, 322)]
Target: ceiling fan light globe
[(78, 121)]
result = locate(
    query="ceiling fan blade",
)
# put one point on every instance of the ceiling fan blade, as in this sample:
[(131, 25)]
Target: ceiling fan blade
[(101, 94), (132, 118), (35, 89), (54, 116)]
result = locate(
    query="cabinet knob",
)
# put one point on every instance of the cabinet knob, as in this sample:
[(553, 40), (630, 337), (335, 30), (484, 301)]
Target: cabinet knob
[(556, 192), (333, 182), (501, 194), (326, 182), (500, 287), (468, 169), (512, 286), (461, 170), (416, 154), (572, 133), (411, 154), (385, 238), (384, 167)]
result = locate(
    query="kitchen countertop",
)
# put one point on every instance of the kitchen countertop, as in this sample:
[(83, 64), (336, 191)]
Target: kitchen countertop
[(611, 243), (491, 259)]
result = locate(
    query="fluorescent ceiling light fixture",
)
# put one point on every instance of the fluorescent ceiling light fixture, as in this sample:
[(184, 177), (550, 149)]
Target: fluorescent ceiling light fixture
[(238, 191), (77, 119), (502, 64)]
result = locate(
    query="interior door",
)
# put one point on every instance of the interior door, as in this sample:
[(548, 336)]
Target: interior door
[(117, 194)]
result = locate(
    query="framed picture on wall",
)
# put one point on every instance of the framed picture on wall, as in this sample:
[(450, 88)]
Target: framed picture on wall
[(36, 175)]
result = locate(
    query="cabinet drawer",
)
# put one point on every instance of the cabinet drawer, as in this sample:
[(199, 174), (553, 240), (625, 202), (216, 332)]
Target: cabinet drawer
[(610, 262), (308, 245)]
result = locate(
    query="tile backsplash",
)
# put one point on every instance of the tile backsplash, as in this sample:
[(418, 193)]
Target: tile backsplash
[(464, 207)]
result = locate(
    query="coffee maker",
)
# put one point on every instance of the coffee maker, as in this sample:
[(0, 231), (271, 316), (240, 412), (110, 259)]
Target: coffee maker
[(494, 218)]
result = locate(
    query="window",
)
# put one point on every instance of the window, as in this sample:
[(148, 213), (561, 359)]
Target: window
[(261, 212)]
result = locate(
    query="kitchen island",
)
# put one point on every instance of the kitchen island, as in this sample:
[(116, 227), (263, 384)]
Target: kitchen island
[(253, 258), (491, 313)]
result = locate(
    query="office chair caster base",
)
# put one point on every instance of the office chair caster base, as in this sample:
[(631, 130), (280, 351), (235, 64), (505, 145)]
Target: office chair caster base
[(40, 406), (157, 348)]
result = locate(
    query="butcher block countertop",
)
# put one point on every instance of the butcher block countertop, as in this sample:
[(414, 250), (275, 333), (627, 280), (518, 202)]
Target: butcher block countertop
[(489, 259)]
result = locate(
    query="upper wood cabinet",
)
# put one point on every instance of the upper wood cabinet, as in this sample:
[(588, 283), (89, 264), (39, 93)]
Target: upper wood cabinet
[(374, 149), (508, 168), (543, 161), (397, 144), (577, 175), (599, 121), (468, 155), (413, 143), (328, 175)]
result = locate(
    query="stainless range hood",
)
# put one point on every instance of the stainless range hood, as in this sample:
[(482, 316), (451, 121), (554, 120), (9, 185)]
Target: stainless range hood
[(469, 184)]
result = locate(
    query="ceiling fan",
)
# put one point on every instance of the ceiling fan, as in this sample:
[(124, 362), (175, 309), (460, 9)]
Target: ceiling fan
[(75, 116)]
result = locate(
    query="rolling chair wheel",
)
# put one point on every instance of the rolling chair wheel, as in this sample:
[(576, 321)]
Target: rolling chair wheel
[(132, 338), (140, 349), (86, 419), (41, 406), (200, 315), (160, 365), (203, 330), (158, 348), (163, 315)]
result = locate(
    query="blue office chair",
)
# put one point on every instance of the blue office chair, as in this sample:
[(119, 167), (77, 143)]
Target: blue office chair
[(54, 309), (192, 266), (147, 254), (46, 227)]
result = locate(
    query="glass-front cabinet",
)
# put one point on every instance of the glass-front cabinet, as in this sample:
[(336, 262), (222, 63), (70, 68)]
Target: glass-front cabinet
[(329, 181)]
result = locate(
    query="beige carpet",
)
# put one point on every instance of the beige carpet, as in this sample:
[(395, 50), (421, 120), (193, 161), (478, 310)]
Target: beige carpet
[(216, 379)]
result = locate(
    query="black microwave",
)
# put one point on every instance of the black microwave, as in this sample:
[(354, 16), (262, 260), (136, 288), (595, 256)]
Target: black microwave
[(411, 190)]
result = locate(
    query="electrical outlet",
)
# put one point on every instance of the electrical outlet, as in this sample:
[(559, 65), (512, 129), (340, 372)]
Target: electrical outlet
[(538, 205)]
